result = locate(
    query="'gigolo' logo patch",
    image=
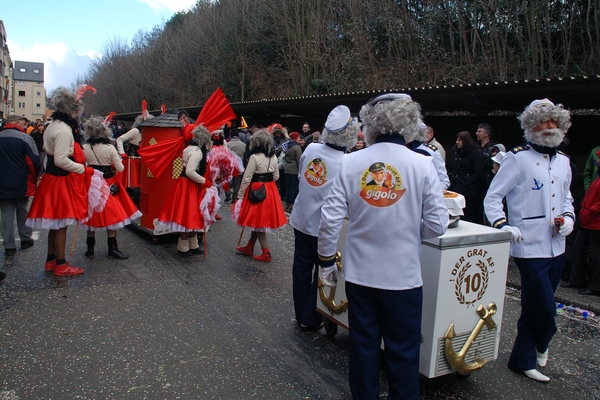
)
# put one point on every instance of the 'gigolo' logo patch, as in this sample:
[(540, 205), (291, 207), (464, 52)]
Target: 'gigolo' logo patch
[(381, 185), (316, 172)]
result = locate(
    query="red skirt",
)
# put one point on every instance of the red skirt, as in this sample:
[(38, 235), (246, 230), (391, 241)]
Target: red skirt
[(131, 175), (181, 211), (266, 216), (119, 211), (59, 201)]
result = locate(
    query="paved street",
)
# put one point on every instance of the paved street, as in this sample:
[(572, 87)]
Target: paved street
[(158, 326)]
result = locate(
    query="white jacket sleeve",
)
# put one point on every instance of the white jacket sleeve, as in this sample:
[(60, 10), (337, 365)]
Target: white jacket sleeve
[(504, 181), (435, 212), (127, 136), (440, 166), (333, 213)]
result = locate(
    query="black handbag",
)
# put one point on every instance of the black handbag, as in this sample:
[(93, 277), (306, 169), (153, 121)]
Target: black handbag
[(258, 195), (114, 189)]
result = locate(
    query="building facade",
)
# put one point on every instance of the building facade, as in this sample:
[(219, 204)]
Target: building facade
[(29, 95), (5, 76)]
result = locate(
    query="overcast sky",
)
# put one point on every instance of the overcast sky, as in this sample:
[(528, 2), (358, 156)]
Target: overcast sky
[(66, 35)]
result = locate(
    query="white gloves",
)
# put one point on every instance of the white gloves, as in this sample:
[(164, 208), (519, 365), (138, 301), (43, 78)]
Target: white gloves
[(567, 227), (329, 275), (517, 237)]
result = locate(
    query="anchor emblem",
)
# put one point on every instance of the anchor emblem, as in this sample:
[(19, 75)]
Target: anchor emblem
[(457, 360), (329, 302)]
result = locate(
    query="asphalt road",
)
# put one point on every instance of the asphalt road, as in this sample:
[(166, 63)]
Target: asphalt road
[(158, 326)]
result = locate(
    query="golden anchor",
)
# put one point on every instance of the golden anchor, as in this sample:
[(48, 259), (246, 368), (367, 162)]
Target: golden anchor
[(457, 360), (329, 302)]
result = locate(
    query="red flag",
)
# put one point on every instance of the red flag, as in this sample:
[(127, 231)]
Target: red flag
[(216, 111), (160, 156), (214, 114), (163, 109)]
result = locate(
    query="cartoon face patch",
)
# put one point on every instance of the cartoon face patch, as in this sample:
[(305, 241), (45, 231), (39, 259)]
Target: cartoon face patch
[(381, 185), (316, 172)]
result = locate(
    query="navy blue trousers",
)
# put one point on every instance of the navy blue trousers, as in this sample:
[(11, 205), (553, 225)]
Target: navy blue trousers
[(305, 279), (395, 316), (536, 325)]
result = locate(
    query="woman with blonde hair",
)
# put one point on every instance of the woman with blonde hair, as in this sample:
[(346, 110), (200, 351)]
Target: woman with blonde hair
[(260, 210)]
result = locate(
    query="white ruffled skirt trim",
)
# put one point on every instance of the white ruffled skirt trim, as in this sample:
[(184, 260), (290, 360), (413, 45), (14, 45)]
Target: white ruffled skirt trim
[(209, 206), (117, 226), (98, 193), (50, 224)]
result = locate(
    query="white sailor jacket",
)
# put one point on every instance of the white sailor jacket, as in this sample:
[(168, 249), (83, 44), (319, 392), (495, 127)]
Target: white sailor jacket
[(536, 188)]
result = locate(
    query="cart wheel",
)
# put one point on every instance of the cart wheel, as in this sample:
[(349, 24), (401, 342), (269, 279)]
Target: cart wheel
[(154, 239), (461, 376), (330, 327)]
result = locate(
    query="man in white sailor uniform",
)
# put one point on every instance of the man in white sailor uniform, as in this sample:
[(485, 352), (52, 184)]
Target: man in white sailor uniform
[(535, 180), (319, 165), (381, 264)]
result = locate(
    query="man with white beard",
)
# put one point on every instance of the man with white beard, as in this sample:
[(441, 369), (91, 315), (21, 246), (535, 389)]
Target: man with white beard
[(535, 180)]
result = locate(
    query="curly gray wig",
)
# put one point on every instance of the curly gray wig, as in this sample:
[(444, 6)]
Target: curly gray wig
[(95, 129), (544, 110), (345, 138), (64, 101), (392, 114), (261, 141), (202, 136)]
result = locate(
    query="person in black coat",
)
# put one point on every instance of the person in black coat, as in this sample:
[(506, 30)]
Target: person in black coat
[(465, 172)]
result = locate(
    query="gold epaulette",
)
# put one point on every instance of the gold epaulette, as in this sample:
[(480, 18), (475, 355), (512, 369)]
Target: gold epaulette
[(517, 149)]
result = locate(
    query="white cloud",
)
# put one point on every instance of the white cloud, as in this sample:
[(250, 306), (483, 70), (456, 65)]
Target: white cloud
[(171, 5), (62, 65)]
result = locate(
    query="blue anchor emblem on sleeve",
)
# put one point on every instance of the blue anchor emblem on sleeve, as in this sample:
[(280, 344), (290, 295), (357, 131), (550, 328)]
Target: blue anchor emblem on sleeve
[(537, 185)]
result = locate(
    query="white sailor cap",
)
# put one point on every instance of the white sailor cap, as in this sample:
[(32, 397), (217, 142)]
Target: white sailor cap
[(499, 157), (541, 103), (338, 119), (388, 96)]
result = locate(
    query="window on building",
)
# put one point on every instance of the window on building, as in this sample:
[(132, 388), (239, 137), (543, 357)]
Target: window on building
[(22, 70), (21, 83), (36, 71), (21, 105), (38, 105), (38, 93), (21, 93)]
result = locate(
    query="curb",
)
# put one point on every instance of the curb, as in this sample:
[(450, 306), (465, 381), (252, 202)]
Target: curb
[(593, 306)]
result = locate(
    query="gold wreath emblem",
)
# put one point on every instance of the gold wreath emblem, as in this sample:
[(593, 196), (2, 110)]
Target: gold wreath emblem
[(485, 277)]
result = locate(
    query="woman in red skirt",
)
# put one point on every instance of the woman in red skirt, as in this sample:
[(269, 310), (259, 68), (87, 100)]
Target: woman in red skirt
[(68, 191), (266, 215), (100, 154), (193, 202)]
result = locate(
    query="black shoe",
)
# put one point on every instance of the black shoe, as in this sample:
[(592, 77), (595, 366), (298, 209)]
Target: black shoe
[(10, 252), (185, 253), (569, 285), (117, 254), (199, 250), (2, 276), (308, 328), (588, 291), (26, 244)]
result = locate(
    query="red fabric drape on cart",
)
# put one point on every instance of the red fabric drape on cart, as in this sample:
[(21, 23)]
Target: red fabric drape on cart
[(215, 112)]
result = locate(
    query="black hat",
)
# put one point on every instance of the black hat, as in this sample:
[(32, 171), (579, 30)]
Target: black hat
[(378, 166)]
